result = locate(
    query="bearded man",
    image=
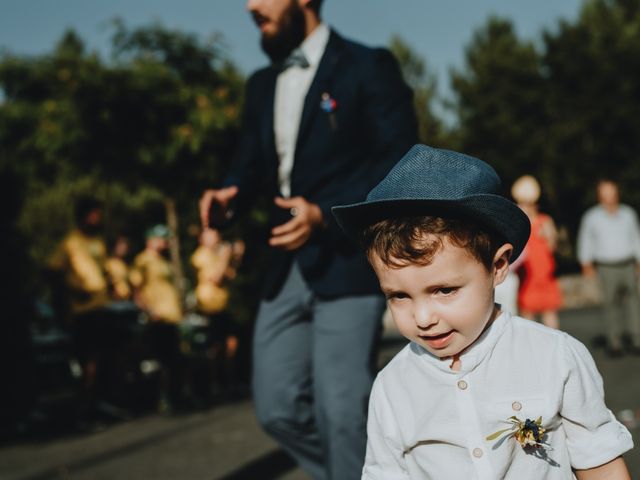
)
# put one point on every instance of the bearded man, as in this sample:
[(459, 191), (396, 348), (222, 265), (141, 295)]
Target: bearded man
[(322, 125)]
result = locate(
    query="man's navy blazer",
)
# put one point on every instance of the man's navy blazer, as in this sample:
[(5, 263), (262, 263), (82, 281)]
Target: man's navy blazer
[(341, 153)]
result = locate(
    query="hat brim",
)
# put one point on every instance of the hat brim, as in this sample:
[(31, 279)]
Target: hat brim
[(495, 212)]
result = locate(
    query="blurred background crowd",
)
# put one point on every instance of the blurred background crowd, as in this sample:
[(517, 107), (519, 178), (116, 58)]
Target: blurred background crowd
[(102, 163)]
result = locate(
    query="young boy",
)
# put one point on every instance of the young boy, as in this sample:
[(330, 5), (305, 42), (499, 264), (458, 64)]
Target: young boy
[(477, 394)]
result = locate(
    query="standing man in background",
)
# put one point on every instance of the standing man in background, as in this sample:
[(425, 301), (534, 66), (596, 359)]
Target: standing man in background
[(322, 125), (78, 266), (609, 245)]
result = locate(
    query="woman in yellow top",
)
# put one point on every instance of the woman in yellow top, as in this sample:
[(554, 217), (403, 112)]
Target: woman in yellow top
[(212, 261), (215, 262), (152, 278), (156, 294), (80, 260)]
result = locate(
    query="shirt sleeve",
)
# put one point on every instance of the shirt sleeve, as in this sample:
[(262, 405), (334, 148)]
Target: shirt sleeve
[(384, 459), (594, 436), (636, 235), (585, 240)]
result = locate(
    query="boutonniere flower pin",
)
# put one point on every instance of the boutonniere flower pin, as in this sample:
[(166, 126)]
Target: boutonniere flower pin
[(328, 104), (528, 433)]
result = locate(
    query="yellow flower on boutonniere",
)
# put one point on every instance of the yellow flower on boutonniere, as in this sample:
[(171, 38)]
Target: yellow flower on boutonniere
[(528, 433)]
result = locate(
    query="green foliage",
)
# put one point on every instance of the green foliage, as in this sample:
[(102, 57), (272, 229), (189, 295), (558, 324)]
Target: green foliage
[(593, 68), (159, 121), (564, 111), (501, 101), (431, 129)]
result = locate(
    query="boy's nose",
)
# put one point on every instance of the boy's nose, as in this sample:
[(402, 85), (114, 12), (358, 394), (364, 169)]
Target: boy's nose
[(424, 316)]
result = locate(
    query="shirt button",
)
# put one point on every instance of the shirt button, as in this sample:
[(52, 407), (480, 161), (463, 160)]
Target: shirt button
[(517, 406), (477, 452), (462, 385)]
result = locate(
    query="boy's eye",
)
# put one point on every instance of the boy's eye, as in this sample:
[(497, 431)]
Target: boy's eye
[(447, 290), (396, 296)]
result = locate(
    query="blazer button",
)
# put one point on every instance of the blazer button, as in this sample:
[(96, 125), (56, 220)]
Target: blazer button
[(462, 385), (517, 406), (477, 452)]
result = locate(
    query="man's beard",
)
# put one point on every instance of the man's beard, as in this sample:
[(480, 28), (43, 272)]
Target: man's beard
[(290, 34)]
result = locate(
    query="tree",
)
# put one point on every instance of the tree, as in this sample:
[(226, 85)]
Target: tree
[(155, 125), (564, 112), (431, 129), (592, 69), (501, 101)]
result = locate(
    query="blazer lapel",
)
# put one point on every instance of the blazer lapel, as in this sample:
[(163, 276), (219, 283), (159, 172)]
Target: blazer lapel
[(319, 85), (269, 94)]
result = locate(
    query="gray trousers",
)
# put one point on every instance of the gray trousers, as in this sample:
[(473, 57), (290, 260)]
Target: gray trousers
[(619, 283), (312, 374)]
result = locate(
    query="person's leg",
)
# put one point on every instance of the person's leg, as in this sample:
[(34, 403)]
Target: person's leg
[(282, 382), (345, 336), (633, 304), (528, 314), (165, 345), (609, 278), (550, 319)]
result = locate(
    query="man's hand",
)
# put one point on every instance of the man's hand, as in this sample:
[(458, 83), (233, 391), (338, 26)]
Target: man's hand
[(588, 271), (221, 197), (293, 234)]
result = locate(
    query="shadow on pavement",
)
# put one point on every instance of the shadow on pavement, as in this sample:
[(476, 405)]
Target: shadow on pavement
[(269, 466)]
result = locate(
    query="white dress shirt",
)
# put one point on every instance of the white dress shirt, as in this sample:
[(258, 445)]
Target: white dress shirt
[(427, 421), (292, 86), (609, 237)]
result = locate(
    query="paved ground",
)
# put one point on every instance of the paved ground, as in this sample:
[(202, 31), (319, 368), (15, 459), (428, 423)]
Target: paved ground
[(224, 443)]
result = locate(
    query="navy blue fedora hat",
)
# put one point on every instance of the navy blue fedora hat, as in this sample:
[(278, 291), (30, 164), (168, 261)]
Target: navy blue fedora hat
[(431, 181)]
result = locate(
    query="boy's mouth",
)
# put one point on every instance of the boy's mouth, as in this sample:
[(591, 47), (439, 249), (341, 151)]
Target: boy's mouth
[(438, 341)]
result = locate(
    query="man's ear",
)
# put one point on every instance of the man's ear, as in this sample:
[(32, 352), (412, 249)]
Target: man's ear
[(501, 263)]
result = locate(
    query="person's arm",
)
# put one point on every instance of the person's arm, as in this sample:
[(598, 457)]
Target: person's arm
[(616, 469), (594, 438), (384, 459), (636, 238), (585, 246), (550, 233), (240, 187)]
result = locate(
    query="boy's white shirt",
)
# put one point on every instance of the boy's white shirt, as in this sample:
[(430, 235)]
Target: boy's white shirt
[(429, 422)]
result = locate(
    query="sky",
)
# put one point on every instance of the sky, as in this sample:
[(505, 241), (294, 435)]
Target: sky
[(438, 30)]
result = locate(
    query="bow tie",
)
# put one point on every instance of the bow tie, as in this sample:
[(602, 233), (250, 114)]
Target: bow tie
[(295, 59)]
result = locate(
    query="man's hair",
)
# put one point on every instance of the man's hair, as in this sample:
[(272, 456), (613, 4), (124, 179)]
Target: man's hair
[(84, 205), (401, 241), (609, 180)]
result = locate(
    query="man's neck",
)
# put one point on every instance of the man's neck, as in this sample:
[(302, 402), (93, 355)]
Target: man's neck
[(311, 21)]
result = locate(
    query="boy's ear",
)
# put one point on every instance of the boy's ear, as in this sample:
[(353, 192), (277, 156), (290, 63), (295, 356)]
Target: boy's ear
[(501, 263)]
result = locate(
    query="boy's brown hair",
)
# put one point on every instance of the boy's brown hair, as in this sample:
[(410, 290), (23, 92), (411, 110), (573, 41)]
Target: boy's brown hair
[(399, 241)]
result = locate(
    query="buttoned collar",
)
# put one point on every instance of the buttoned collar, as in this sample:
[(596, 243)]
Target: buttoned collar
[(314, 45), (475, 353)]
